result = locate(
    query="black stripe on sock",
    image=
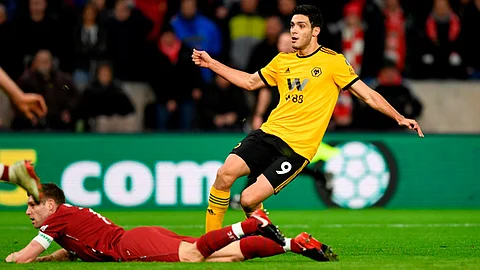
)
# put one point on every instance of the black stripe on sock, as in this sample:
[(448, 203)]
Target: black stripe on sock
[(220, 199)]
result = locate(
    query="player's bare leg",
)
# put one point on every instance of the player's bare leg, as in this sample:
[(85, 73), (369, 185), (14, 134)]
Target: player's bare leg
[(230, 253), (253, 196), (22, 174), (219, 198)]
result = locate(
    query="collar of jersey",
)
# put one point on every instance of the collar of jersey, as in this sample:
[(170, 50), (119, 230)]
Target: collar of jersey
[(305, 56)]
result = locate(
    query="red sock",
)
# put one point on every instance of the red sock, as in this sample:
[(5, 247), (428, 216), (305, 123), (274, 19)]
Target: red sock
[(259, 247), (213, 241), (294, 247), (4, 175)]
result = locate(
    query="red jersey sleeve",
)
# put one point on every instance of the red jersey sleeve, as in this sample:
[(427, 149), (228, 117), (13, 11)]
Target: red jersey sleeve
[(53, 227)]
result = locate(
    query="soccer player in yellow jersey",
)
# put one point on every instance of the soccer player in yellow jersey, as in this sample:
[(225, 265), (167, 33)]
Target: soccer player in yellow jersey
[(309, 81)]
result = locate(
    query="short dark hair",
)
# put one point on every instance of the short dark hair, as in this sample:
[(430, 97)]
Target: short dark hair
[(312, 12), (52, 191)]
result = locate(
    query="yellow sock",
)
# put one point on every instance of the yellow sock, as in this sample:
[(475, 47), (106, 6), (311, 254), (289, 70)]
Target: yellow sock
[(218, 203), (248, 214)]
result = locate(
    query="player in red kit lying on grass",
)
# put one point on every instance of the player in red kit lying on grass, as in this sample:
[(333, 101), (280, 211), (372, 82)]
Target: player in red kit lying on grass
[(82, 233)]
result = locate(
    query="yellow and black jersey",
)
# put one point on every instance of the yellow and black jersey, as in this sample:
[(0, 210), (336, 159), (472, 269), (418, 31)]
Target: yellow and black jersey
[(309, 87)]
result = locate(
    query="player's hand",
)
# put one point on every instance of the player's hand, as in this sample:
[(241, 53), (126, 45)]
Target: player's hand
[(201, 58), (31, 105), (11, 258), (411, 124)]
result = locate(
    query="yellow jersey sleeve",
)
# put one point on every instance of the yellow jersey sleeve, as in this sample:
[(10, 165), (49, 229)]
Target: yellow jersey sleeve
[(268, 74), (343, 73)]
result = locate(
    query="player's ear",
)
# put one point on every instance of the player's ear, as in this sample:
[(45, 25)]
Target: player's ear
[(51, 204), (316, 31)]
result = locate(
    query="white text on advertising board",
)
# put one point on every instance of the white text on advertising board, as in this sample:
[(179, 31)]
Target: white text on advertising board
[(162, 182)]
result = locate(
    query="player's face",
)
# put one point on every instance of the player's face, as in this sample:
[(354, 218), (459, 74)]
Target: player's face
[(37, 213), (302, 32)]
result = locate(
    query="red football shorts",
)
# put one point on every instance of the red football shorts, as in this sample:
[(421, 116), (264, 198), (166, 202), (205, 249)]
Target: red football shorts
[(151, 244)]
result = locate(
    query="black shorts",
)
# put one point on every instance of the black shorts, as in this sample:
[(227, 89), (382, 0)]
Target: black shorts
[(269, 155)]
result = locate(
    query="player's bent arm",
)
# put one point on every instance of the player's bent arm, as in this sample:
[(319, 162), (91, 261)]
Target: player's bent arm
[(375, 100), (239, 78), (27, 254), (57, 256)]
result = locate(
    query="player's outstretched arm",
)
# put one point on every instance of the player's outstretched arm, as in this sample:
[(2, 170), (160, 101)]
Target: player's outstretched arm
[(376, 101), (27, 254), (237, 77), (57, 256), (31, 105)]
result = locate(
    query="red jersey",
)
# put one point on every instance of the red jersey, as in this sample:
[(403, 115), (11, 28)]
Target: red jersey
[(83, 232)]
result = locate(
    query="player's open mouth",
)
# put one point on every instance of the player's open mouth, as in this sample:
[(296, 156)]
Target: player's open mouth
[(294, 39)]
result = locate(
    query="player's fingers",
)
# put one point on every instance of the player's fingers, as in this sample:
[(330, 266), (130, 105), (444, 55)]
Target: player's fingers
[(419, 131), (407, 124), (42, 105), (196, 57), (412, 124), (37, 110), (29, 115)]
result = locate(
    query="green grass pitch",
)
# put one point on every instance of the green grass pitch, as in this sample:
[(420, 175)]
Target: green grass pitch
[(364, 239)]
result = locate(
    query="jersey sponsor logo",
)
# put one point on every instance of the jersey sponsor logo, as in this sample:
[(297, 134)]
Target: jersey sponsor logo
[(295, 98), (316, 71), (43, 228), (297, 83), (286, 167)]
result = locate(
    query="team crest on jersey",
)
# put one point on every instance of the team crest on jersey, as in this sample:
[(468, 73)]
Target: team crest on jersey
[(43, 228), (316, 71)]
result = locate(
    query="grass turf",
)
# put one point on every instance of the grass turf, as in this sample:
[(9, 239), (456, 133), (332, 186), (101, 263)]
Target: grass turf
[(364, 239)]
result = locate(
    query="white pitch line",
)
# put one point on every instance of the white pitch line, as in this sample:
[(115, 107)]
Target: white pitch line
[(398, 225), (302, 226)]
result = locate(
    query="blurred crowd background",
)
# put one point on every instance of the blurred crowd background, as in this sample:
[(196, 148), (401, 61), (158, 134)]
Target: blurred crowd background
[(125, 65)]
